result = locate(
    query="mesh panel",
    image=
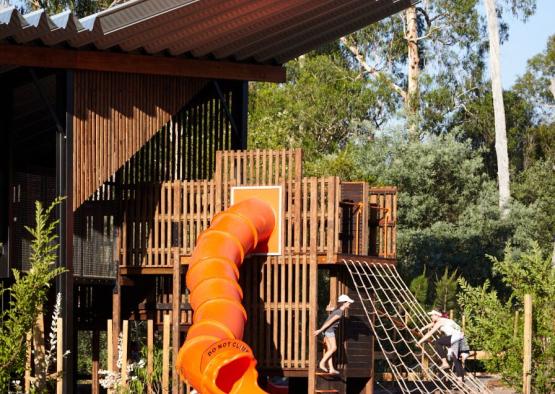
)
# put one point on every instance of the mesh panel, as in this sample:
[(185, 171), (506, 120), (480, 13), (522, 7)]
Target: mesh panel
[(27, 189), (93, 242)]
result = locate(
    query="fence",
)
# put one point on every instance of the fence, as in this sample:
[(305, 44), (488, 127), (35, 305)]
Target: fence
[(150, 221)]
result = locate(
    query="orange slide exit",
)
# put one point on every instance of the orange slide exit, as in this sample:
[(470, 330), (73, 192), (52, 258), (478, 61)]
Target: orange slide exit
[(213, 358)]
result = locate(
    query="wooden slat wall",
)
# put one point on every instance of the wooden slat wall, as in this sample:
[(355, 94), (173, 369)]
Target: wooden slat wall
[(114, 115), (149, 212), (376, 219), (147, 225), (277, 288), (164, 297), (385, 235), (258, 167)]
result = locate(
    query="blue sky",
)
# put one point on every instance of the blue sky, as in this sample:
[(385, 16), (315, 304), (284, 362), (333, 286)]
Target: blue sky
[(526, 40)]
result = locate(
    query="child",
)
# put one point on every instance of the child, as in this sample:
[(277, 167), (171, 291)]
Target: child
[(451, 339), (328, 328)]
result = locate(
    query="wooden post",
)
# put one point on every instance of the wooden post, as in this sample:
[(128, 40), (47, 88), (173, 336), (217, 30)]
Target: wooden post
[(28, 352), (463, 322), (116, 320), (110, 343), (95, 389), (60, 355), (313, 297), (38, 340), (149, 354), (369, 388), (124, 342), (166, 354), (333, 291), (176, 280), (451, 314), (527, 367)]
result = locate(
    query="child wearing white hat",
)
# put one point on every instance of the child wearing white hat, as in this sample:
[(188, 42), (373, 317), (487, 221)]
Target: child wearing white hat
[(452, 339), (328, 328)]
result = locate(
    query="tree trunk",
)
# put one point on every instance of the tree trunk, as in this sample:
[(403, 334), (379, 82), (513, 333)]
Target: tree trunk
[(499, 110), (413, 89)]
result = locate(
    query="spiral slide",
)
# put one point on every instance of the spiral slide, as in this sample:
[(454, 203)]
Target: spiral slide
[(213, 358)]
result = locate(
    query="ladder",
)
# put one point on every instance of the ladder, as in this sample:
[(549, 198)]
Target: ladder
[(395, 317)]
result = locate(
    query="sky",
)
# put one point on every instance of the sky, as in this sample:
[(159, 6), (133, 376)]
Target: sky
[(526, 40)]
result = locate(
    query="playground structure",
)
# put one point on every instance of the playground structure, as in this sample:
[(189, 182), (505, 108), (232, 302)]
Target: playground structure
[(320, 217)]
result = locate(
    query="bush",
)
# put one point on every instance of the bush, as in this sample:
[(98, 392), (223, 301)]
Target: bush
[(491, 317), (28, 294)]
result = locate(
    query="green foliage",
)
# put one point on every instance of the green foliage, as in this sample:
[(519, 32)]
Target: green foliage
[(476, 120), (139, 385), (322, 104), (80, 7), (446, 291), (489, 315), (534, 84), (535, 187), (419, 287), (84, 352), (437, 179), (28, 294), (489, 327), (450, 48), (464, 242)]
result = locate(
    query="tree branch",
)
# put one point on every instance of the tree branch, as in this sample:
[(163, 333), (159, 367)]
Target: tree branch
[(372, 70)]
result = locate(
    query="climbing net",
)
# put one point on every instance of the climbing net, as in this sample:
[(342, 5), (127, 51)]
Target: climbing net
[(396, 318)]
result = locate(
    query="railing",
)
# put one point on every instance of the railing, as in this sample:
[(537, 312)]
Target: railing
[(368, 220), (383, 221), (153, 214)]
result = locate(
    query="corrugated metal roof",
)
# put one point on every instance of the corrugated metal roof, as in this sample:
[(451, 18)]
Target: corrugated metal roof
[(254, 31)]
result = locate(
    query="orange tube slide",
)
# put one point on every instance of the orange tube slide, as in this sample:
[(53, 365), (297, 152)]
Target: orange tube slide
[(214, 359)]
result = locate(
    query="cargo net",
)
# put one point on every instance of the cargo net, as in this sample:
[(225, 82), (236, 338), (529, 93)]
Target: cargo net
[(396, 319)]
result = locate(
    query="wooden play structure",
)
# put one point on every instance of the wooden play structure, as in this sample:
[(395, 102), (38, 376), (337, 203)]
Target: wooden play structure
[(324, 222)]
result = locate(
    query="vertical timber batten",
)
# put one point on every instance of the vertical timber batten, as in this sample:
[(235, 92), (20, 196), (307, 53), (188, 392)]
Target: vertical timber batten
[(313, 286), (6, 113), (240, 109), (141, 104), (64, 179)]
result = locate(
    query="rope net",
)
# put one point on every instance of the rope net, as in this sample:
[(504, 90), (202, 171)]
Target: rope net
[(396, 318)]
